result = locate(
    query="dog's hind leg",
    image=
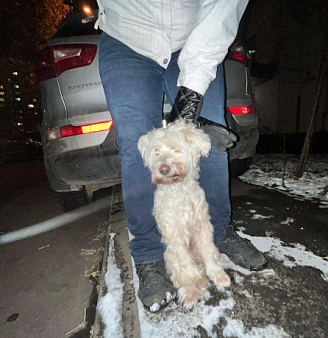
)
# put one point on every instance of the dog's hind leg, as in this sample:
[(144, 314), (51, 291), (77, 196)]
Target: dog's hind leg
[(185, 274)]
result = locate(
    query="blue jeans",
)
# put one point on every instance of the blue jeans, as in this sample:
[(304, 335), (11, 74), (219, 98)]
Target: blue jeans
[(134, 87)]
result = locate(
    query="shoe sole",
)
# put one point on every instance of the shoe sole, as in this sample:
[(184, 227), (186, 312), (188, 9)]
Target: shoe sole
[(160, 306)]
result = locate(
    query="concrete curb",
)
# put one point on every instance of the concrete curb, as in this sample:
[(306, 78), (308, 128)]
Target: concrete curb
[(130, 320), (98, 328)]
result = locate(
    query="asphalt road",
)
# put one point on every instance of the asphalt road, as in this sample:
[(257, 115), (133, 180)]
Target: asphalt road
[(45, 291)]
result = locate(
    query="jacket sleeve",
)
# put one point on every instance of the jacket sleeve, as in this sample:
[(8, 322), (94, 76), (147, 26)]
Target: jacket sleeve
[(215, 29)]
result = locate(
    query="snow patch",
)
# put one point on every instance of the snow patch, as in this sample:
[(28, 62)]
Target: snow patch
[(268, 171), (258, 216), (235, 328), (110, 305), (288, 221), (175, 321), (238, 278), (290, 255), (246, 293), (154, 308)]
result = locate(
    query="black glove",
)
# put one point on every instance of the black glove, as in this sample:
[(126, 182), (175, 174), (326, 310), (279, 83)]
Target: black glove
[(187, 105), (222, 138)]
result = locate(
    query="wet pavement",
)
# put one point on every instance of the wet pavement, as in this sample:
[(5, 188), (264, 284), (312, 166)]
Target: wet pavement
[(45, 288)]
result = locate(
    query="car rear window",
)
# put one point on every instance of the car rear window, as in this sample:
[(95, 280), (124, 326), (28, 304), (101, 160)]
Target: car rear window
[(77, 25)]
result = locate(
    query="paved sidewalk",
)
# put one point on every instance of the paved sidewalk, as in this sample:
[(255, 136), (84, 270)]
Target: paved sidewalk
[(288, 299)]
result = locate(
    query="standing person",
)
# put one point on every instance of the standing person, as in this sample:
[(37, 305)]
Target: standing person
[(174, 46)]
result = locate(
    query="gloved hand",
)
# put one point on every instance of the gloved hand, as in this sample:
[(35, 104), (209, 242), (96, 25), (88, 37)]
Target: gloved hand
[(222, 138), (187, 105)]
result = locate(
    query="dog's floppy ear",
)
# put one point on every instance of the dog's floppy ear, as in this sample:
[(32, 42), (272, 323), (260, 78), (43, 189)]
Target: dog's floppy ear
[(200, 142), (143, 145)]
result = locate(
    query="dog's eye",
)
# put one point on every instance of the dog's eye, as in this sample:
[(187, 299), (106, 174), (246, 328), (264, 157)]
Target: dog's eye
[(157, 151), (176, 149)]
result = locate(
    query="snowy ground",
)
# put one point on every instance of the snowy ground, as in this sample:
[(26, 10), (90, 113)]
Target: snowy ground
[(277, 172), (255, 306), (174, 321)]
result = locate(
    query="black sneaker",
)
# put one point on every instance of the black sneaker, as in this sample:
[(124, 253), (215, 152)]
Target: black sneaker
[(243, 253), (155, 287)]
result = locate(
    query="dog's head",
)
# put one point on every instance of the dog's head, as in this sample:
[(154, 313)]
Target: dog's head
[(172, 154)]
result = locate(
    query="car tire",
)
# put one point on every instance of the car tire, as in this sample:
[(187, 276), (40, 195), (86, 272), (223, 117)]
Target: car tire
[(240, 166), (72, 200)]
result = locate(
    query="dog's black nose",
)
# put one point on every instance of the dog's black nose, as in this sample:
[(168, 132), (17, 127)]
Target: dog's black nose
[(164, 169)]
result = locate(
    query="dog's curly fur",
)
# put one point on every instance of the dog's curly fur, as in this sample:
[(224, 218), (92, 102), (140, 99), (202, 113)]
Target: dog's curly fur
[(172, 154)]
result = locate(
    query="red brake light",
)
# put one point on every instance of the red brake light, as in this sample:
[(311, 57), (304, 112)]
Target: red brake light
[(54, 60), (72, 56), (241, 110), (45, 70), (238, 53), (238, 56), (70, 130)]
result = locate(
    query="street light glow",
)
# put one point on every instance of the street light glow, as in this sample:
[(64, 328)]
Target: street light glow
[(87, 9)]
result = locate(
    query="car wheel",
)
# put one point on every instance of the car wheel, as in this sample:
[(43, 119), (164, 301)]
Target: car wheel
[(240, 166), (72, 200)]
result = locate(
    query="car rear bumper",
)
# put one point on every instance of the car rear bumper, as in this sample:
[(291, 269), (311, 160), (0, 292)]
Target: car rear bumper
[(246, 127), (93, 166)]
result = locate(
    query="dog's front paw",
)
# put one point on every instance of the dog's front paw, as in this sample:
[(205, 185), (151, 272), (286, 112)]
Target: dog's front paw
[(189, 296), (222, 279), (217, 275)]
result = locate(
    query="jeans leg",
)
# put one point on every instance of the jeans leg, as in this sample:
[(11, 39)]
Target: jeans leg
[(214, 172), (133, 89)]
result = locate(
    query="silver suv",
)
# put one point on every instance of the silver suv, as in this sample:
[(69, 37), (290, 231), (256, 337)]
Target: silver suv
[(78, 134)]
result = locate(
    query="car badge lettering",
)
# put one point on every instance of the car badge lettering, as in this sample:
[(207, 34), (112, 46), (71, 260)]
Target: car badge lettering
[(85, 86)]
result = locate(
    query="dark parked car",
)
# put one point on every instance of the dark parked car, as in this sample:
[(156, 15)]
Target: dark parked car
[(78, 134), (16, 146)]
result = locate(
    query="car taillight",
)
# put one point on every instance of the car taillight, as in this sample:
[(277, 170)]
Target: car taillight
[(85, 129), (242, 110), (69, 130), (54, 60), (45, 70), (238, 53)]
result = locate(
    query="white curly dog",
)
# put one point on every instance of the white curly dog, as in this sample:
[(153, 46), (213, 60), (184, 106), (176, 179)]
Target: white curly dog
[(172, 154)]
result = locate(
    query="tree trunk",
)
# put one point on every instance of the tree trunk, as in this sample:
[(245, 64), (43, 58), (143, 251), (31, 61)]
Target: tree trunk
[(318, 90)]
